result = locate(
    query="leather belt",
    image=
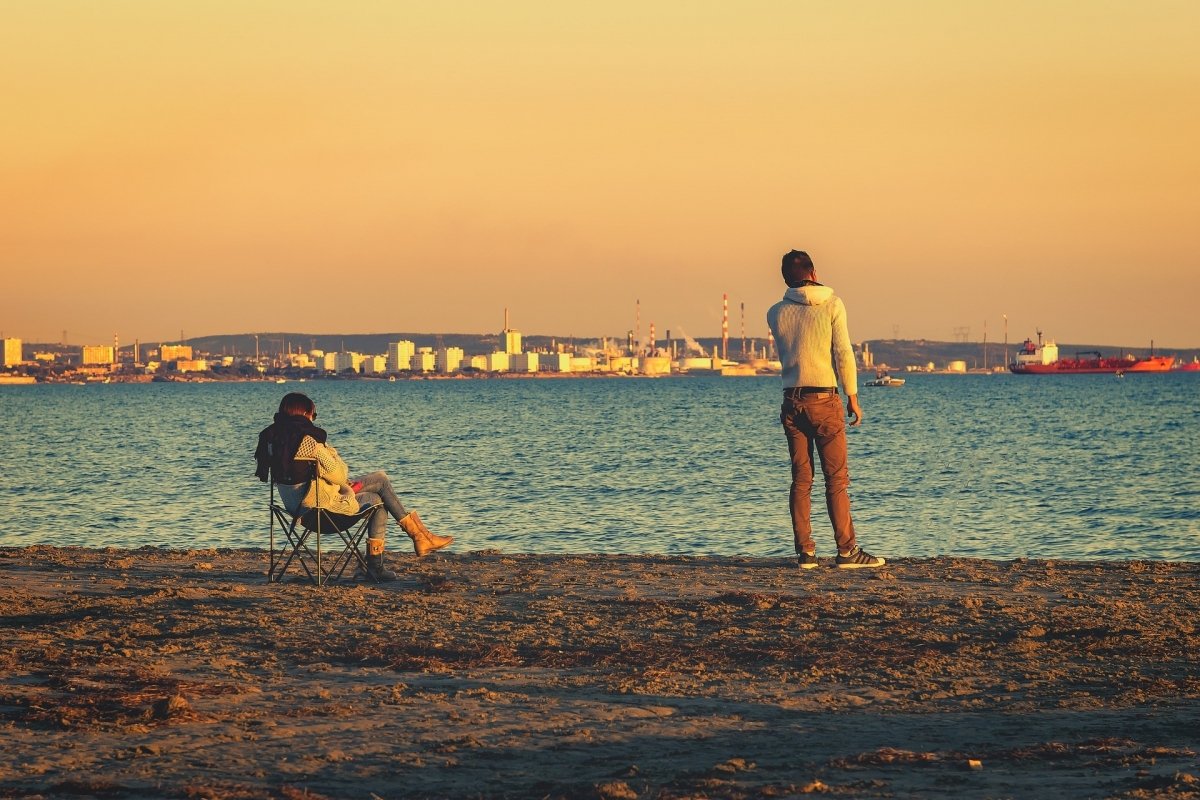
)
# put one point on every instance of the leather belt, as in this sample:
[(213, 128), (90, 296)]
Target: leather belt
[(802, 390)]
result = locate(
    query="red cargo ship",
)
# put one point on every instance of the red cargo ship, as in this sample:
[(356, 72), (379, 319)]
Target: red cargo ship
[(1042, 359)]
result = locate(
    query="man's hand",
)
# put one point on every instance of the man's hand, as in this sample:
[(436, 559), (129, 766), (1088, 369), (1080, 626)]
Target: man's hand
[(854, 410)]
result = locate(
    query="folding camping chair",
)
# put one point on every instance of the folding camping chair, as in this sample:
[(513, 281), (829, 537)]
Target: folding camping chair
[(302, 534)]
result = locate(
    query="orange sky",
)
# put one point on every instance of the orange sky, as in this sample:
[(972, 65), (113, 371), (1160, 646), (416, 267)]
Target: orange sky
[(420, 166)]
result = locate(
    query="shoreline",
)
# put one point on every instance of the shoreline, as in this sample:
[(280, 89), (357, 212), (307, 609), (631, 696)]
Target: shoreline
[(458, 376), (399, 378), (496, 674)]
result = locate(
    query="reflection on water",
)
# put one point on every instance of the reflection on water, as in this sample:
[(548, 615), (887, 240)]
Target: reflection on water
[(993, 466)]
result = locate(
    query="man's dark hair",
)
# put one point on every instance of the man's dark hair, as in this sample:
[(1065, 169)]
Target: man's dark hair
[(797, 267), (296, 404)]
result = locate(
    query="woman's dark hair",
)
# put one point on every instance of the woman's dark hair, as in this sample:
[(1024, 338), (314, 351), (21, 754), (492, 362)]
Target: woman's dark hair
[(296, 404)]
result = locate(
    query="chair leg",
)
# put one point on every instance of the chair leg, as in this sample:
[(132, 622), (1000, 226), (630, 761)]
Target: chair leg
[(296, 550), (300, 553), (280, 560)]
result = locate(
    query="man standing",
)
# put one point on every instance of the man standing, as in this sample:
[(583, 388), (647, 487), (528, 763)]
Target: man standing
[(809, 326)]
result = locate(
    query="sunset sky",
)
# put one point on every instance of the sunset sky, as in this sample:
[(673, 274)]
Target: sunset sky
[(240, 166)]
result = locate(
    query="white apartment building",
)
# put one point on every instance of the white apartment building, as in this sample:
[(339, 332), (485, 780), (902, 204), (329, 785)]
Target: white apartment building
[(523, 362), (345, 361), (449, 359), (476, 362), (97, 354), (12, 352), (374, 365), (399, 356), (424, 360), (497, 362)]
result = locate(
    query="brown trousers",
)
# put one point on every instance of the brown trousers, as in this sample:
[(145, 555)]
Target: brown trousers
[(818, 420)]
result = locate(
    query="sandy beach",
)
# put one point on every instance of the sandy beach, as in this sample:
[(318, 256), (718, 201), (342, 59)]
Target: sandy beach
[(161, 673)]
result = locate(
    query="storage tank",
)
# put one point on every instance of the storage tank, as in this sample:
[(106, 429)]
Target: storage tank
[(695, 362)]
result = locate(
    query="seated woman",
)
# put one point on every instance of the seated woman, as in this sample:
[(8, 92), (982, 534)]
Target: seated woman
[(294, 436)]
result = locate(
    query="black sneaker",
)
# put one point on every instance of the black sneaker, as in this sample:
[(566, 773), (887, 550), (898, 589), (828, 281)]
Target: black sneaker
[(858, 559), (807, 560)]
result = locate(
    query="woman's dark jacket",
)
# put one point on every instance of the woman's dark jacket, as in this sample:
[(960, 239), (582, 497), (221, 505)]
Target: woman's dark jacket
[(277, 446)]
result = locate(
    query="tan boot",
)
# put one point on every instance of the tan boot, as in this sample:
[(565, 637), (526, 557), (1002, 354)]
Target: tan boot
[(424, 542), (375, 567)]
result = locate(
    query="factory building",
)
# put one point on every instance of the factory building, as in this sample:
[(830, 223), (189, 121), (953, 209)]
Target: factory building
[(626, 364), (510, 338), (302, 360), (191, 365), (655, 365), (554, 362)]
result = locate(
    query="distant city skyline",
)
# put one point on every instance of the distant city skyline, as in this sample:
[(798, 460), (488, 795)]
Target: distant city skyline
[(374, 166), (989, 331)]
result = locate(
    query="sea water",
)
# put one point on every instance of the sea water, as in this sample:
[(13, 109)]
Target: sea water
[(994, 466)]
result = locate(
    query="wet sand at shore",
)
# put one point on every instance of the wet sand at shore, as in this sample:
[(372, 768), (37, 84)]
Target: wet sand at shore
[(161, 673)]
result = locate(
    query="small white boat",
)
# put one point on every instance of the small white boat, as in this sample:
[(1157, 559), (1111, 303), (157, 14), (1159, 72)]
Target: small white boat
[(883, 379)]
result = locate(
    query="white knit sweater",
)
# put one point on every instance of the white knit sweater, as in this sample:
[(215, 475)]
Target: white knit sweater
[(809, 326), (336, 494)]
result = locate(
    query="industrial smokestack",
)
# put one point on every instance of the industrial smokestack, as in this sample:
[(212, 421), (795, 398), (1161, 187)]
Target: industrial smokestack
[(725, 326), (743, 331), (638, 324)]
